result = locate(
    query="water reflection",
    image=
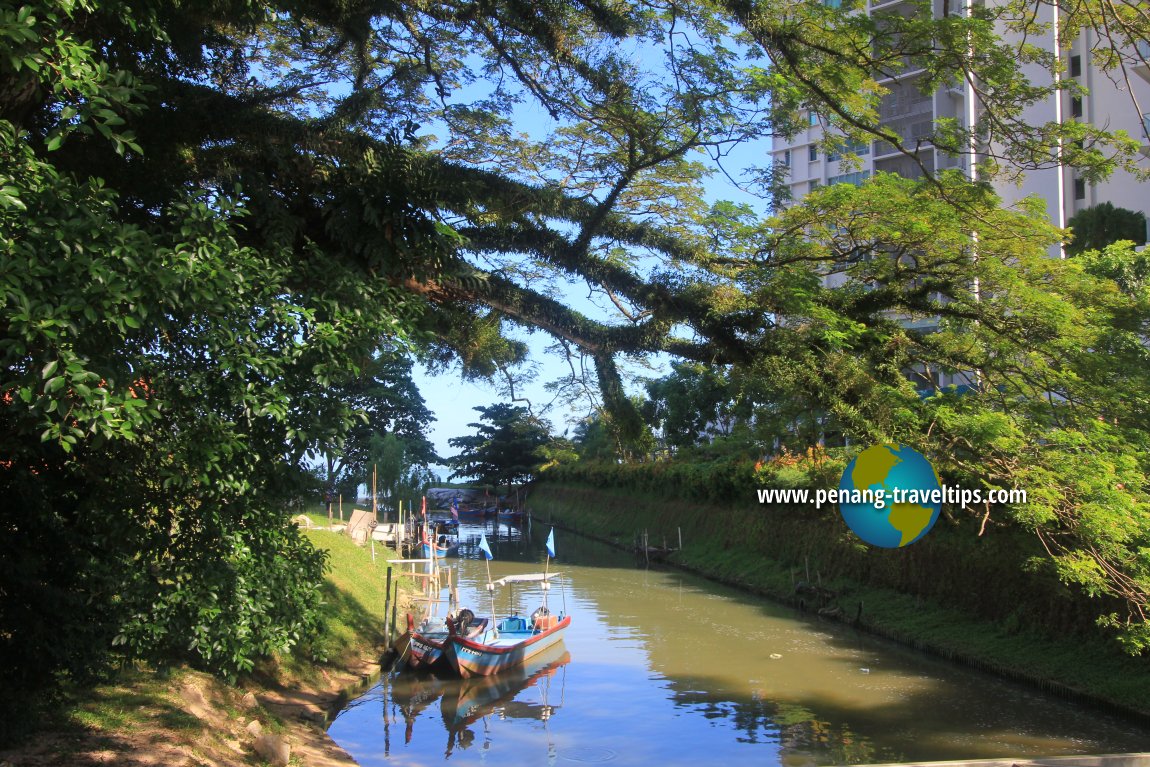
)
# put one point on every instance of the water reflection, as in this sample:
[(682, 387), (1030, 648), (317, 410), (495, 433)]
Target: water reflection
[(668, 669), (469, 710)]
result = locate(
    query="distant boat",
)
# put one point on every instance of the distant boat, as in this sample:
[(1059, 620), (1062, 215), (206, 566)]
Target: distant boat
[(439, 550), (476, 512), (483, 650), (446, 527)]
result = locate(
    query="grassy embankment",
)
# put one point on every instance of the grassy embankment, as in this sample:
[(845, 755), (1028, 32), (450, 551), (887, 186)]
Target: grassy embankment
[(146, 716), (744, 546)]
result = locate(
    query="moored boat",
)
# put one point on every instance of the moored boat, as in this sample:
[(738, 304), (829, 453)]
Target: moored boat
[(439, 549), (476, 512), (426, 643), (510, 642)]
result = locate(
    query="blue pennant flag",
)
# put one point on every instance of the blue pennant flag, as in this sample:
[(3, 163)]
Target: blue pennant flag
[(551, 542), (485, 548)]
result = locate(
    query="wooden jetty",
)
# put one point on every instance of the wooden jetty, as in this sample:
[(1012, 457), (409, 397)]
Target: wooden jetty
[(649, 553)]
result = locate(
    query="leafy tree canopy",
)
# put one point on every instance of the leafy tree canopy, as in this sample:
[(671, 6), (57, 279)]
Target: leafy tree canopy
[(509, 447), (214, 215), (1104, 224), (389, 405)]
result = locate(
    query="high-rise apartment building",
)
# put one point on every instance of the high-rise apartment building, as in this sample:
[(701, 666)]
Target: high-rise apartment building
[(1112, 102)]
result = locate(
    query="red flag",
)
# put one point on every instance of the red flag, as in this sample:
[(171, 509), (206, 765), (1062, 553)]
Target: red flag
[(423, 510)]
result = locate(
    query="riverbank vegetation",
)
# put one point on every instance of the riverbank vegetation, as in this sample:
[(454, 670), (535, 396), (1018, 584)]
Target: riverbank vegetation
[(954, 594), (143, 714)]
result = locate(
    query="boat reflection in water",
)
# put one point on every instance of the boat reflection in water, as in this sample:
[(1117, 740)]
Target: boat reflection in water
[(522, 692)]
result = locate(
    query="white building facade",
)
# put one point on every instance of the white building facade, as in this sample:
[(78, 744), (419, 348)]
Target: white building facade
[(1113, 101)]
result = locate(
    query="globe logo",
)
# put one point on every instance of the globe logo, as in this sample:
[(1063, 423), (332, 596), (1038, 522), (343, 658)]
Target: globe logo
[(890, 495)]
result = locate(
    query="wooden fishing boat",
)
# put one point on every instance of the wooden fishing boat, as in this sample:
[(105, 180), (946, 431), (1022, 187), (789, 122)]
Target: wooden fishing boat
[(512, 641), (438, 550), (426, 644), (476, 511)]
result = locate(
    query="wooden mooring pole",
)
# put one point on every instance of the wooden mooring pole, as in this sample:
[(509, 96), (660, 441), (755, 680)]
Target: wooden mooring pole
[(395, 603), (387, 609)]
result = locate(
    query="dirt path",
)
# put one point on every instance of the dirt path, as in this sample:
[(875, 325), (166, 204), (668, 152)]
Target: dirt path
[(194, 720)]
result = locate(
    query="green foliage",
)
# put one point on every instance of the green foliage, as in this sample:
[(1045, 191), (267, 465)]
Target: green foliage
[(1102, 225), (691, 402), (164, 378), (389, 429), (509, 446), (213, 220), (255, 594), (155, 377), (721, 479), (402, 472), (593, 441)]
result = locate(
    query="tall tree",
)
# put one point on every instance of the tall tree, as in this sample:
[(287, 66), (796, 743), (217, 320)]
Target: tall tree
[(1100, 225), (388, 403), (692, 402), (213, 214), (507, 448)]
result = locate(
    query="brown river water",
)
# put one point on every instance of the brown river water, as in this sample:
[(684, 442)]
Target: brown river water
[(663, 668)]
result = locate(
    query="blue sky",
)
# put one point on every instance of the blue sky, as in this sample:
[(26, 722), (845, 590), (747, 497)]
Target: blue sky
[(453, 400)]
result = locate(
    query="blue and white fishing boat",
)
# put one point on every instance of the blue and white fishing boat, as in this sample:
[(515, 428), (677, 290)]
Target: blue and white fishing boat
[(496, 646), (440, 548), (484, 648), (426, 643)]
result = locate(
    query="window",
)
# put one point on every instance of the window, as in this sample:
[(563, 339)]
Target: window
[(1075, 106), (787, 158), (855, 178), (1076, 66), (813, 152), (814, 184), (849, 147), (1080, 189), (814, 119)]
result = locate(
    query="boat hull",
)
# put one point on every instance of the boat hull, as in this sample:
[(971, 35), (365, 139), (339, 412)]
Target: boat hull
[(427, 649), (440, 553), (471, 658), (426, 653)]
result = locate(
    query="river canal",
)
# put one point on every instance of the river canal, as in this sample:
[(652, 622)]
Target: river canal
[(662, 668)]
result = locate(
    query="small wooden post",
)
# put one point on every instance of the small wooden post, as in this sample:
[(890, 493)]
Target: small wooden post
[(387, 608), (341, 507), (680, 538), (395, 603)]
